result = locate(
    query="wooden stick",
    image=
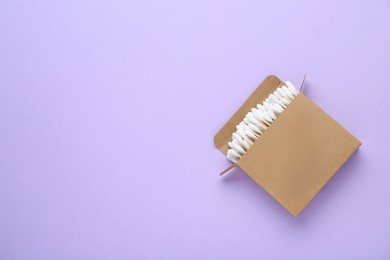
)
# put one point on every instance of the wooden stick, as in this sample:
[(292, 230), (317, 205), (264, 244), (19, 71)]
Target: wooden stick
[(303, 83), (228, 169)]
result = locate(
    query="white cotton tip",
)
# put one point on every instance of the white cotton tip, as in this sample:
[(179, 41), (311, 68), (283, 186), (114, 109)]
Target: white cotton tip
[(244, 144), (238, 148), (233, 145), (247, 128), (241, 133), (291, 87), (241, 141), (276, 93), (266, 122), (267, 118), (271, 114), (258, 115), (274, 99), (270, 110), (287, 91), (240, 127), (251, 135), (267, 106), (260, 107), (283, 94), (244, 137), (260, 118), (234, 154), (255, 129), (249, 141), (269, 101), (263, 127), (253, 120), (254, 110), (278, 108), (285, 101), (231, 158), (277, 100)]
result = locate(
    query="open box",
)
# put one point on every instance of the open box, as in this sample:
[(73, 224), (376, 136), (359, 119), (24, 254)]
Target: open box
[(297, 155)]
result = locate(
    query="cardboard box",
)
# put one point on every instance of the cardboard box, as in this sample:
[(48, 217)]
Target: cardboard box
[(297, 155)]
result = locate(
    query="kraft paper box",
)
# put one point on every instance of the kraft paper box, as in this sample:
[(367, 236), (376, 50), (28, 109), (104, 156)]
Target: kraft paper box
[(297, 155)]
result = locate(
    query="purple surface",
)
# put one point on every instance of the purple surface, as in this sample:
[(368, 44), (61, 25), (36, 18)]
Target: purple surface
[(108, 111)]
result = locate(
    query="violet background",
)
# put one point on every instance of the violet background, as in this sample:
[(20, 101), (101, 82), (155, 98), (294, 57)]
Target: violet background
[(108, 111)]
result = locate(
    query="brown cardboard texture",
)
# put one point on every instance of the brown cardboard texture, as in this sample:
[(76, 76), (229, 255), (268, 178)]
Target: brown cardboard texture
[(297, 155)]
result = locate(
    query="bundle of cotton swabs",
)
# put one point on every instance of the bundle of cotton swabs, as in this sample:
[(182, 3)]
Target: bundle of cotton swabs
[(259, 119)]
